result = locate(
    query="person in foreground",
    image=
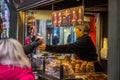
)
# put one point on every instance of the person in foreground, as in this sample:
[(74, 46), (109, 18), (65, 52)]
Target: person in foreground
[(84, 48), (14, 64), (29, 48)]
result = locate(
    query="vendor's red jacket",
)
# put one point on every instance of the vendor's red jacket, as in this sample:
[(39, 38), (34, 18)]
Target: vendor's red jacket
[(15, 73)]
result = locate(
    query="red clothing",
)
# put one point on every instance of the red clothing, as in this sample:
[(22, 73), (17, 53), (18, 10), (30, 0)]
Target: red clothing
[(27, 40), (15, 73)]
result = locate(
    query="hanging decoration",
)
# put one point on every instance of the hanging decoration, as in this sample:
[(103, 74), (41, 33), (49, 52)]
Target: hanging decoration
[(31, 24), (68, 17)]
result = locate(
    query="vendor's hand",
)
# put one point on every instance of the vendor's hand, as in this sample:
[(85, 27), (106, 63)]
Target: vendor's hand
[(42, 47), (40, 39)]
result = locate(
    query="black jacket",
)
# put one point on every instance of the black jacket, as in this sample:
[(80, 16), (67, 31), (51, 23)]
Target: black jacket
[(30, 47), (83, 47)]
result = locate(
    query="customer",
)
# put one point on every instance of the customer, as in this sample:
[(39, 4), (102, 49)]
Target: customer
[(14, 64), (83, 47), (29, 48), (55, 39), (69, 40)]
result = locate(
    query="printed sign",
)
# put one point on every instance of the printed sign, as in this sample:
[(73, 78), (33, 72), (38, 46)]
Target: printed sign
[(68, 17)]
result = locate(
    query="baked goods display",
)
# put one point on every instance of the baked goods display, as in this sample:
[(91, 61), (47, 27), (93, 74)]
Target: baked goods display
[(72, 69)]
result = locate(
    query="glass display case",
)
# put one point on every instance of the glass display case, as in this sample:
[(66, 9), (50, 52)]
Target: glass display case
[(56, 67)]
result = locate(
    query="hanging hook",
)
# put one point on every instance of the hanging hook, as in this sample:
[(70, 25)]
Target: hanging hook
[(83, 2), (52, 7)]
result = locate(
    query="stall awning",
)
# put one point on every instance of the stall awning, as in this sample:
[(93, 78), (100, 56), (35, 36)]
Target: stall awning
[(90, 5), (28, 4)]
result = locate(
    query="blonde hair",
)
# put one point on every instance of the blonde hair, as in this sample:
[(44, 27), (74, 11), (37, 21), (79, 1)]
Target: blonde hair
[(12, 53)]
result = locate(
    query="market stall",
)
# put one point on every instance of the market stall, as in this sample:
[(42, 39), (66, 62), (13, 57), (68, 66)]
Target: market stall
[(58, 68)]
